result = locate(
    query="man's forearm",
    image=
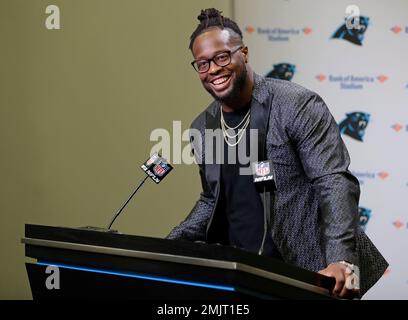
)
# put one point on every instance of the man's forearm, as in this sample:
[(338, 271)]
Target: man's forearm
[(338, 202), (194, 227)]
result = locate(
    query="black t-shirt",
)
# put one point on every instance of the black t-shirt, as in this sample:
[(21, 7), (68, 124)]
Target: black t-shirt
[(239, 201)]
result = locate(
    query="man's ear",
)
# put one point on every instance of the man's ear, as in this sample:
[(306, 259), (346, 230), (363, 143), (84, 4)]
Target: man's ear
[(244, 50)]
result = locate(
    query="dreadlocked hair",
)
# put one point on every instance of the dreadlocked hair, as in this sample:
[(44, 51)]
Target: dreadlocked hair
[(210, 18)]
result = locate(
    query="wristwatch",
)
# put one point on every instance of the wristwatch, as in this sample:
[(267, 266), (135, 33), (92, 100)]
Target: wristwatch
[(352, 276)]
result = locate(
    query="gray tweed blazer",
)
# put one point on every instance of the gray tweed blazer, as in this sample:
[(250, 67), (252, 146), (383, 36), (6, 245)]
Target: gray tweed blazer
[(314, 209)]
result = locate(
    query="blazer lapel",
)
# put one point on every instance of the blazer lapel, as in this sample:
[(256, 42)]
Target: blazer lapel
[(259, 120), (213, 169), (260, 113)]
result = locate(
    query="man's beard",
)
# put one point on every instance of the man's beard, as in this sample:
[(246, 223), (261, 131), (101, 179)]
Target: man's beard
[(237, 87)]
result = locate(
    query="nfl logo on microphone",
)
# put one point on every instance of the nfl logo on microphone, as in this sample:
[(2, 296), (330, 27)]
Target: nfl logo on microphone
[(263, 172), (160, 169), (262, 168)]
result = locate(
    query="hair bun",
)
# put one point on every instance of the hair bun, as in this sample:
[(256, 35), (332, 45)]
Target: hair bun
[(208, 14)]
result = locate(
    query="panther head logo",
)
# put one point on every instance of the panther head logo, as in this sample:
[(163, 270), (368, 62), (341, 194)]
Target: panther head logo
[(365, 215), (283, 71), (354, 35), (355, 124)]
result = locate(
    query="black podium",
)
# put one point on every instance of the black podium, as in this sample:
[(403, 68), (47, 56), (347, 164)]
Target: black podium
[(105, 265)]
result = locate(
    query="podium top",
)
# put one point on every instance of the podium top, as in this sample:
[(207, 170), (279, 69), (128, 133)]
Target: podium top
[(175, 251)]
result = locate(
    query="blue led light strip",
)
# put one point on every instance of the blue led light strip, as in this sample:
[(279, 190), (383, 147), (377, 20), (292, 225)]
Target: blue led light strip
[(139, 276)]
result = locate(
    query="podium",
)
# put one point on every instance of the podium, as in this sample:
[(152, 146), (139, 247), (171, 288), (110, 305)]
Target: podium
[(75, 263)]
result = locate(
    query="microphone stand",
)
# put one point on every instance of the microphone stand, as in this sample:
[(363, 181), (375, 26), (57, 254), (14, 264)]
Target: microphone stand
[(164, 169), (126, 202)]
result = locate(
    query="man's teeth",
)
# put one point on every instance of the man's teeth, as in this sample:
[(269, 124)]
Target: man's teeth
[(220, 80)]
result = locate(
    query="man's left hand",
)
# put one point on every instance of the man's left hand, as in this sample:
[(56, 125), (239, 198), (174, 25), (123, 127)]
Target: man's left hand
[(342, 274)]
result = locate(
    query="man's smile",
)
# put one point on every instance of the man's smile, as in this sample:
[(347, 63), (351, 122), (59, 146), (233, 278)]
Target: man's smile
[(221, 83)]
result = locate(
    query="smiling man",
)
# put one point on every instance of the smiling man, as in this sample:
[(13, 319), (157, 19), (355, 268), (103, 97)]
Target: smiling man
[(311, 219)]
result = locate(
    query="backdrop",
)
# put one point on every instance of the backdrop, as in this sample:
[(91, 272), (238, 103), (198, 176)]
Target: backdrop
[(78, 104), (360, 70)]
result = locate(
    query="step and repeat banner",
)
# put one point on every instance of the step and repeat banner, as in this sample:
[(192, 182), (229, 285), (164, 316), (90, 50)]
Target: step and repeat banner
[(353, 54)]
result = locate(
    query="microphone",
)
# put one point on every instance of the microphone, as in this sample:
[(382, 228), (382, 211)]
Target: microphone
[(156, 168), (263, 173), (264, 177)]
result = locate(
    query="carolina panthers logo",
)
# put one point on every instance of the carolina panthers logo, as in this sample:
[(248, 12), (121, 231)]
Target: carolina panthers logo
[(355, 124), (365, 215), (354, 35), (284, 71)]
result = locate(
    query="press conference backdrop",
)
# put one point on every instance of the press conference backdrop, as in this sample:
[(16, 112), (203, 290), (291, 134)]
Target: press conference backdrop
[(362, 74)]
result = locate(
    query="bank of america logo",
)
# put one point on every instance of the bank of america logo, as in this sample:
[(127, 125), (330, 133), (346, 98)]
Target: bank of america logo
[(398, 224), (399, 30), (396, 29), (383, 175), (278, 34), (397, 127)]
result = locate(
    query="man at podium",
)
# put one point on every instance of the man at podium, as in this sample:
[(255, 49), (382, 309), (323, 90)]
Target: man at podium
[(300, 204)]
